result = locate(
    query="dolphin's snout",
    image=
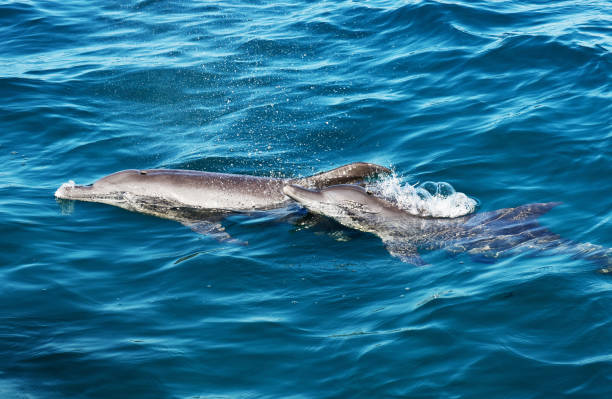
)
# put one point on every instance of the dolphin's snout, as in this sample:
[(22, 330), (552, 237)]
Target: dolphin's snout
[(71, 190), (298, 193), (292, 191), (289, 190)]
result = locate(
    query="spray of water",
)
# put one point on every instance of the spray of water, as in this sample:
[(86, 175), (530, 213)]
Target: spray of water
[(434, 199)]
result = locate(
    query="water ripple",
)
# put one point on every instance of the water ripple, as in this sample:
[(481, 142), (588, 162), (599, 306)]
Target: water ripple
[(508, 101)]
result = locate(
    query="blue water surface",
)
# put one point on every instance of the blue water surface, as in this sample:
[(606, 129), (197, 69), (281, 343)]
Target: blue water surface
[(509, 101)]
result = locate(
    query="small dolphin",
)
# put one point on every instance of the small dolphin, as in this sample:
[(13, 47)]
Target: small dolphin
[(199, 199), (486, 235)]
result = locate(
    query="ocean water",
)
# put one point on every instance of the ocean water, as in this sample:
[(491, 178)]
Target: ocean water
[(508, 101)]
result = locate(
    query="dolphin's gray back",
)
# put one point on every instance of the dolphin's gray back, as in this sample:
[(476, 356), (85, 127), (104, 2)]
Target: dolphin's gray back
[(206, 190)]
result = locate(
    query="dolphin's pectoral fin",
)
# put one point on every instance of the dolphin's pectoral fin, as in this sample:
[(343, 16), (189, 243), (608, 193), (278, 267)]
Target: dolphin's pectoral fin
[(214, 230), (523, 213), (404, 251)]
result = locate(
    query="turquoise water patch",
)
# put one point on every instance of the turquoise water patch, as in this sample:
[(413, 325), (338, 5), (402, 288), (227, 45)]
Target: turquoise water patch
[(507, 101)]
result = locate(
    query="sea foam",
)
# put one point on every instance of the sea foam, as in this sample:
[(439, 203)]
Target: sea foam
[(433, 199), (62, 190)]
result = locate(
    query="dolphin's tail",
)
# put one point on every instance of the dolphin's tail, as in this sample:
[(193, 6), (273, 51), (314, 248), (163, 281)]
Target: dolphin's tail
[(542, 238), (602, 256), (352, 173), (597, 254)]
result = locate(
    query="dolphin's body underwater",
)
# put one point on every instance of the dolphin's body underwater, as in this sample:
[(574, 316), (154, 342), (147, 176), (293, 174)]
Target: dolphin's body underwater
[(486, 235), (199, 199)]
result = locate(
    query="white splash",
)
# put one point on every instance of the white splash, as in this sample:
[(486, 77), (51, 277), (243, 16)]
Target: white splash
[(61, 191), (426, 199)]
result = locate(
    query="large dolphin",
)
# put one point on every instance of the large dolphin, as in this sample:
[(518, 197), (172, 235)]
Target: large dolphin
[(199, 199), (486, 235)]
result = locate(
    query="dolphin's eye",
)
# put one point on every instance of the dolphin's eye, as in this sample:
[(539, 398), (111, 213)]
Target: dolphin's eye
[(368, 192)]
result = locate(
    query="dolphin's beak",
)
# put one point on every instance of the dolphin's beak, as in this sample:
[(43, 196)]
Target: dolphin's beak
[(73, 191), (299, 193)]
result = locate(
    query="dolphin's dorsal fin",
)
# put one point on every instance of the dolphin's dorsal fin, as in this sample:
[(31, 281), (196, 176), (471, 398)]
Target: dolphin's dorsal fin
[(352, 173)]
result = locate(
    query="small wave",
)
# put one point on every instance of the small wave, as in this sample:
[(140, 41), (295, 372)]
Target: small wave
[(434, 199)]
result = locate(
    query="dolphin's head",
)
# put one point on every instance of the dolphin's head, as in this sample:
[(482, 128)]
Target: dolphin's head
[(338, 200), (107, 189)]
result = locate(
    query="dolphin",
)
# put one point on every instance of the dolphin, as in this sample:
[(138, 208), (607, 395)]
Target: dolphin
[(200, 199), (486, 236)]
